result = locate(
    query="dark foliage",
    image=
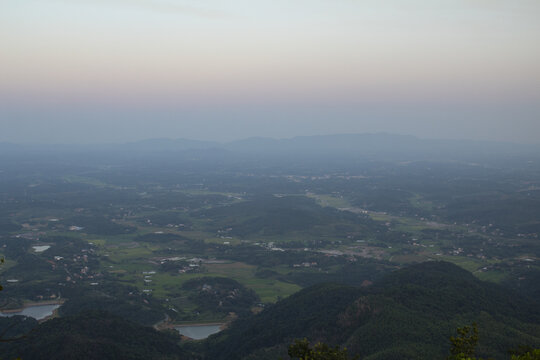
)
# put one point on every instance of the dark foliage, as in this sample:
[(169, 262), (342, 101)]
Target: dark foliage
[(93, 336), (159, 238), (15, 327), (221, 294), (409, 314), (312, 311), (99, 225), (271, 215), (135, 310)]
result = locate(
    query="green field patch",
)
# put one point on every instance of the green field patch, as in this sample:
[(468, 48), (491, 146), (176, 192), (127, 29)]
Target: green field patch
[(271, 291), (419, 202), (119, 271), (8, 263), (125, 254), (468, 263), (282, 269), (194, 235), (236, 196), (110, 239), (378, 216), (407, 259), (97, 242), (88, 181), (163, 285), (330, 200), (495, 276), (223, 241), (235, 270), (72, 234)]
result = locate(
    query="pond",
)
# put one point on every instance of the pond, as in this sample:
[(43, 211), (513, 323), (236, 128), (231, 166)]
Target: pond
[(198, 332), (38, 312), (41, 248)]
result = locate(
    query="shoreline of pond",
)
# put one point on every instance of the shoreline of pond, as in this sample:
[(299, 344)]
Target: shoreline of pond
[(192, 331), (41, 311), (32, 304)]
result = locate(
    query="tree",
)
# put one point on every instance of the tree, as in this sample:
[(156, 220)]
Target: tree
[(464, 345), (531, 355), (301, 350), (1, 262)]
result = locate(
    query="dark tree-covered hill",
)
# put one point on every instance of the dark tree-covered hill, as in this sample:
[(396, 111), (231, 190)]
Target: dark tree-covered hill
[(93, 336), (409, 314)]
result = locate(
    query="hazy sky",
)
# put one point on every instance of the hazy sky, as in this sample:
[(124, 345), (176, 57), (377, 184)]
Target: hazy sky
[(122, 70)]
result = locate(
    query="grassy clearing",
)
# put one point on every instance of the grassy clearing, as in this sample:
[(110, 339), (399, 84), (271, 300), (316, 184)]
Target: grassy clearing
[(381, 217), (88, 181), (272, 290), (269, 290), (491, 275), (235, 270), (169, 285), (120, 255), (110, 239), (420, 203), (468, 263), (71, 234), (207, 192), (195, 235), (7, 263), (221, 241), (330, 200), (98, 242), (407, 259)]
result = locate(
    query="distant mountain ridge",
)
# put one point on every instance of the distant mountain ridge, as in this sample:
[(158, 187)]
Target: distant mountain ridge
[(368, 146), (170, 144), (381, 144), (336, 142)]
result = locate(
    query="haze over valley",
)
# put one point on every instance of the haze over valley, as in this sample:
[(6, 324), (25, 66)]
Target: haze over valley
[(284, 179), (175, 233)]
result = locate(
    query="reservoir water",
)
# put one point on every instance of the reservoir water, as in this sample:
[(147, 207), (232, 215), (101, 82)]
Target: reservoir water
[(198, 332), (38, 312), (41, 248)]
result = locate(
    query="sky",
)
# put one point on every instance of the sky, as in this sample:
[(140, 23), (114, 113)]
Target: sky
[(87, 71)]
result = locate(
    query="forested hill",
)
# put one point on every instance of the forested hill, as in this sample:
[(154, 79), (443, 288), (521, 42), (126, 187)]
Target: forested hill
[(409, 314), (92, 335)]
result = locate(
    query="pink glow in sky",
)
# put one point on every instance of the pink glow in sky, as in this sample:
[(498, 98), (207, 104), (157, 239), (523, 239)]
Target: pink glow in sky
[(461, 68)]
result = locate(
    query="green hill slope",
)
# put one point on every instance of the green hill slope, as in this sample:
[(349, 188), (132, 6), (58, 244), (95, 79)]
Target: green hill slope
[(409, 314), (92, 336)]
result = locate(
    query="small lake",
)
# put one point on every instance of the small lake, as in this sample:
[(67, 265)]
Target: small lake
[(41, 248), (38, 312), (198, 332)]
